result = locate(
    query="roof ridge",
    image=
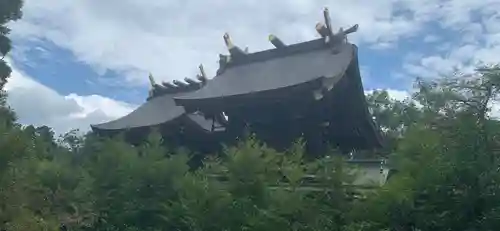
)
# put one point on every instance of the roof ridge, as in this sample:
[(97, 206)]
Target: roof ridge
[(328, 40), (177, 86)]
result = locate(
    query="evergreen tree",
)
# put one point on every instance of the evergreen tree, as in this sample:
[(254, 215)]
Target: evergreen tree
[(10, 10)]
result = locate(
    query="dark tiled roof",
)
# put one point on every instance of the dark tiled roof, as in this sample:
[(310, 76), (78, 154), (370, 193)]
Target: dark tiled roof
[(276, 68), (155, 111)]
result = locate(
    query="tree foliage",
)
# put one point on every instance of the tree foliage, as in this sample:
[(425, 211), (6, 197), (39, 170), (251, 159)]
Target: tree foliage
[(443, 142), (10, 10)]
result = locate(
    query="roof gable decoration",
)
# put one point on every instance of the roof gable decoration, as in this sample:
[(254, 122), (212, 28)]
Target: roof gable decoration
[(335, 40), (177, 86), (152, 82), (235, 53), (324, 29)]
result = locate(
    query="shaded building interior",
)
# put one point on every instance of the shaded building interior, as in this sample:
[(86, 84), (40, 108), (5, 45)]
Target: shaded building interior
[(310, 90)]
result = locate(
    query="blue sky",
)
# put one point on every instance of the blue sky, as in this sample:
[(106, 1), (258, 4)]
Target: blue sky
[(86, 61), (60, 70)]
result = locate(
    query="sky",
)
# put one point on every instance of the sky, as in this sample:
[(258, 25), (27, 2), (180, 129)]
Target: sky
[(81, 62)]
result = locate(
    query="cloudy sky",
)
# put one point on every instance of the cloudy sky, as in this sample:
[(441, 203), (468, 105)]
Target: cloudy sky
[(78, 62)]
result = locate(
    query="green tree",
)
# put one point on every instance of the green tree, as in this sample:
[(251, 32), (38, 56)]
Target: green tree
[(443, 143), (253, 187), (10, 10), (393, 117), (447, 162)]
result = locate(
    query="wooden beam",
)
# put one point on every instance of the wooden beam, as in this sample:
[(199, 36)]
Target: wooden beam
[(168, 85), (223, 62), (202, 76), (321, 29), (276, 41), (180, 83), (328, 24), (151, 80), (233, 50), (352, 29), (228, 42), (190, 81)]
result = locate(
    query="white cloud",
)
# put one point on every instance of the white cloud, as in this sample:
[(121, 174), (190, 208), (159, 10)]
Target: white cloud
[(399, 95), (39, 105), (474, 34), (170, 38)]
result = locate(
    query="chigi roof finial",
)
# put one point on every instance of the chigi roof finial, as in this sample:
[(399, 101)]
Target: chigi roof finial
[(202, 76), (152, 81), (328, 23), (326, 32), (228, 42)]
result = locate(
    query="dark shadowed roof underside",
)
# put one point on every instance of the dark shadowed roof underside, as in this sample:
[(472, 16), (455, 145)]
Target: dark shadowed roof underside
[(276, 69)]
